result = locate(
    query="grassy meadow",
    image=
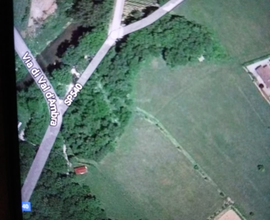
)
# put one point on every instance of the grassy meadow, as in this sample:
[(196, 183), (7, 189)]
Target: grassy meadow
[(218, 116), (150, 179)]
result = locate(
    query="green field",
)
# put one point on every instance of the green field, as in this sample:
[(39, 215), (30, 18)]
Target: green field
[(219, 117), (216, 114), (150, 180), (241, 25)]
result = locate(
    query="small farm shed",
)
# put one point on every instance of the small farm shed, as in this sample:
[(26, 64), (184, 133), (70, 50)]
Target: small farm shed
[(80, 170)]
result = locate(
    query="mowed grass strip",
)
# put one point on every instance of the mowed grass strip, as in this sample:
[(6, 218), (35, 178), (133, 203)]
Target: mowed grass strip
[(147, 178), (241, 25), (216, 113)]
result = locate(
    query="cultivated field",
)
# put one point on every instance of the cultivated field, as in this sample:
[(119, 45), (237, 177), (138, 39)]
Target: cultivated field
[(218, 116), (147, 178), (241, 25)]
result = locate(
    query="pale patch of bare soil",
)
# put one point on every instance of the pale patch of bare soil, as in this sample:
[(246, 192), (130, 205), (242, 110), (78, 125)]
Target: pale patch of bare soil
[(228, 215), (139, 5), (40, 10), (155, 63), (166, 182)]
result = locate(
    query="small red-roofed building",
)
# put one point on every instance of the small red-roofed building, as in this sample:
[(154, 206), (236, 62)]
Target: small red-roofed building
[(80, 170)]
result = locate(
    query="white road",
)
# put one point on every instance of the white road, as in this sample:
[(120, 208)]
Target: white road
[(115, 33), (117, 16)]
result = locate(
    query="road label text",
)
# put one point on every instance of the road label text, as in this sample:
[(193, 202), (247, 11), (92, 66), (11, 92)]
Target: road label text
[(42, 82), (72, 94)]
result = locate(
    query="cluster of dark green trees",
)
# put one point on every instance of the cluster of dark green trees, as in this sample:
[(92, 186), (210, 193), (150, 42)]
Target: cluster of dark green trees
[(90, 13), (98, 116), (60, 79), (33, 113), (20, 70)]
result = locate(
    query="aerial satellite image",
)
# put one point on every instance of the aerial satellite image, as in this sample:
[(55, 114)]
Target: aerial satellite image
[(143, 109)]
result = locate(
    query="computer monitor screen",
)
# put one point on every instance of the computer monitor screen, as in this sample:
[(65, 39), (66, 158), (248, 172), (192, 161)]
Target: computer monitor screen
[(143, 110)]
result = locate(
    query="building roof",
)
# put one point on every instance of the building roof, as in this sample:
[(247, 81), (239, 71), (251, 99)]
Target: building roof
[(80, 170), (264, 73)]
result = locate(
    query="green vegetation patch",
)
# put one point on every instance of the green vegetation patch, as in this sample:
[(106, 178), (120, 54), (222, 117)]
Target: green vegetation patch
[(33, 112), (91, 13), (27, 155), (61, 79), (20, 69), (83, 12), (47, 31), (21, 10)]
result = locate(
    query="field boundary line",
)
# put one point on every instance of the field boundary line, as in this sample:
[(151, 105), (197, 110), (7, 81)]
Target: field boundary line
[(246, 98), (151, 119)]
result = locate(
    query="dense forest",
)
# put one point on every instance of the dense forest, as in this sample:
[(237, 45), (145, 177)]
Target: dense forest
[(98, 116)]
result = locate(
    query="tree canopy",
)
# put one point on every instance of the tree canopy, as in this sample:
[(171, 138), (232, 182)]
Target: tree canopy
[(91, 13)]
